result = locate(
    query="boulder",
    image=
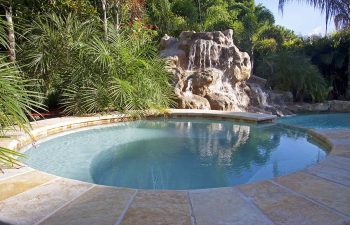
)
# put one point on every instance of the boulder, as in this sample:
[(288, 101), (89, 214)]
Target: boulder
[(193, 102), (209, 71), (281, 98), (307, 107), (220, 102), (339, 106)]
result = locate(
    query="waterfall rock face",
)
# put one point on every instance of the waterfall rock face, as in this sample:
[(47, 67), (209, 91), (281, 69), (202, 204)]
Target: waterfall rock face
[(210, 72)]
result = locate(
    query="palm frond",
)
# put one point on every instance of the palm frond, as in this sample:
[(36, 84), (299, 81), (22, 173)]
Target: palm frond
[(8, 158), (338, 9)]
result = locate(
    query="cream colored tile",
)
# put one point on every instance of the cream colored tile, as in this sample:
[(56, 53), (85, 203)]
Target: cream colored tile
[(100, 205), (331, 173), (158, 207), (33, 205), (20, 183), (284, 207), (224, 206), (333, 195)]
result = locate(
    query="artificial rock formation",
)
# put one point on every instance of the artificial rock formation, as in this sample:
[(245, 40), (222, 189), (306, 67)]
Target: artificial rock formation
[(210, 72)]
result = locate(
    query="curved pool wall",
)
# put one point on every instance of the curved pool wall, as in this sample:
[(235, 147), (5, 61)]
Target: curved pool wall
[(207, 151), (318, 121)]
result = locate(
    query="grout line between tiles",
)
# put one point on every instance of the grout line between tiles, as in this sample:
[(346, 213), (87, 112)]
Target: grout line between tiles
[(121, 217), (322, 205), (48, 182), (64, 205), (17, 174), (323, 178), (251, 202), (316, 175), (329, 161), (193, 218)]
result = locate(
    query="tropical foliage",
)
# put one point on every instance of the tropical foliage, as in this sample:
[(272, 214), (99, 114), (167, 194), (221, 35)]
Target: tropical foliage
[(337, 9), (304, 80), (16, 101), (332, 46), (90, 73), (331, 55)]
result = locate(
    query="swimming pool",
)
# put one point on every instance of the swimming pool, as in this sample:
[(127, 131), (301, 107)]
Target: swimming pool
[(318, 121), (176, 154)]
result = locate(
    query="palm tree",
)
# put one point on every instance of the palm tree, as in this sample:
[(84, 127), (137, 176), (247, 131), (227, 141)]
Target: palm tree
[(16, 100), (7, 5), (339, 10), (15, 105)]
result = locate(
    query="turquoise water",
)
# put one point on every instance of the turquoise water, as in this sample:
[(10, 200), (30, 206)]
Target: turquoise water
[(319, 121), (176, 153)]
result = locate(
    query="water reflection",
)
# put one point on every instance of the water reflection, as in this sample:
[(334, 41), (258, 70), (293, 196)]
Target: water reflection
[(203, 154)]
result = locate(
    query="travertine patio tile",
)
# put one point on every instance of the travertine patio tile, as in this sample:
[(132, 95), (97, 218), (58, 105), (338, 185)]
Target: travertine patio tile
[(337, 161), (100, 205), (33, 205), (10, 172), (284, 207), (18, 184), (335, 133), (331, 173), (340, 141), (224, 206), (159, 207), (331, 194), (341, 150)]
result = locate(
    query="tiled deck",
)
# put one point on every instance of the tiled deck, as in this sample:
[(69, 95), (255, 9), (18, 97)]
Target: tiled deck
[(319, 194)]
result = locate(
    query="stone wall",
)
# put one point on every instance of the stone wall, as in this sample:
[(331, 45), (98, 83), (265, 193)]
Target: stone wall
[(328, 106)]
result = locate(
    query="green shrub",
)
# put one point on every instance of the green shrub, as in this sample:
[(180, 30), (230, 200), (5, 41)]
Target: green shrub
[(94, 74), (291, 71)]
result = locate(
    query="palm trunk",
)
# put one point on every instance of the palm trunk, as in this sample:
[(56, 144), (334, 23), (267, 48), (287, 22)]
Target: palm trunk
[(116, 15), (105, 22), (252, 62), (10, 33), (347, 95), (200, 12)]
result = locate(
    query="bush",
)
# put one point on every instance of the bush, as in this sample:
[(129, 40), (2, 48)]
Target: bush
[(291, 71), (266, 46), (90, 73), (331, 55)]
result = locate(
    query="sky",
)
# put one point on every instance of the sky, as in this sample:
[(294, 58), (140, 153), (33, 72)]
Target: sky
[(300, 17)]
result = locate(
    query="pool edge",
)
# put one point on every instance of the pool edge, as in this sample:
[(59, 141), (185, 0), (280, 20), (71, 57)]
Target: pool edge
[(336, 140)]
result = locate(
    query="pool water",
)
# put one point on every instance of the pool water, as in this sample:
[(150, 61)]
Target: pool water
[(318, 121), (176, 153)]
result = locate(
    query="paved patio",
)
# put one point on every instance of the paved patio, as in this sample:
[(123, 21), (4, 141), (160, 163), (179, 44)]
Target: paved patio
[(319, 194)]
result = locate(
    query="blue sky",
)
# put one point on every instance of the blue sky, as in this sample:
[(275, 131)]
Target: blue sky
[(300, 17)]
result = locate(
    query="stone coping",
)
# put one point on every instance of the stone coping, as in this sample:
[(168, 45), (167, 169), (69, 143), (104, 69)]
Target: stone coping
[(319, 194), (240, 116)]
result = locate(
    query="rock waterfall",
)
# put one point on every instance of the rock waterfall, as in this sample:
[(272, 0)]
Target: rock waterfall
[(210, 72)]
